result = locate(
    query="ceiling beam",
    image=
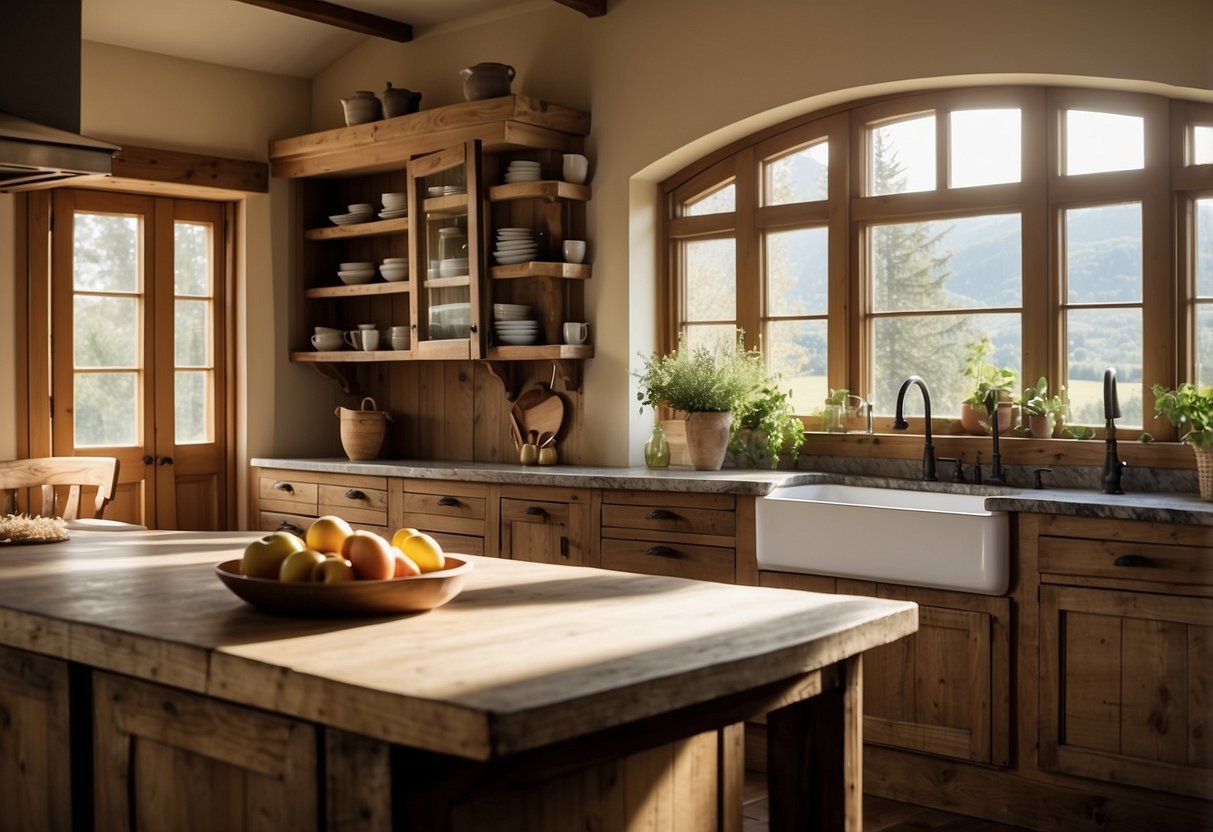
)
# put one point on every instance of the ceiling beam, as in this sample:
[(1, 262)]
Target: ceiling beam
[(589, 8), (342, 17)]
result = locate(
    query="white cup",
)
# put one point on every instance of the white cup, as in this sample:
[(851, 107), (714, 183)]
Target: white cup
[(365, 327), (574, 251), (328, 343), (575, 168), (354, 338), (370, 339), (398, 337), (576, 333), (329, 330)]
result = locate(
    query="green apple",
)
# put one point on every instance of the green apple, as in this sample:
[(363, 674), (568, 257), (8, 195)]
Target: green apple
[(263, 557), (298, 566), (333, 569)]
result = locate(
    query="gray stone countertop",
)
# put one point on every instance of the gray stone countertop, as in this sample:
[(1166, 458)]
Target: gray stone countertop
[(1159, 507)]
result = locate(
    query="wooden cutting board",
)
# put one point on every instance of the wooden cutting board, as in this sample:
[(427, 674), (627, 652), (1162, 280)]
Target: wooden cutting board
[(539, 411)]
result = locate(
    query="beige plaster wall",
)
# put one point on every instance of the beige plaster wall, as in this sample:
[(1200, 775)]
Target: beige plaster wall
[(667, 81)]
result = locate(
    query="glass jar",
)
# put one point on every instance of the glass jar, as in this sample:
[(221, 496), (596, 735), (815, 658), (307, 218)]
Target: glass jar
[(657, 449)]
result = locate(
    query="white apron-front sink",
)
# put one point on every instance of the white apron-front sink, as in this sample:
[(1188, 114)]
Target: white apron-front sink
[(921, 538)]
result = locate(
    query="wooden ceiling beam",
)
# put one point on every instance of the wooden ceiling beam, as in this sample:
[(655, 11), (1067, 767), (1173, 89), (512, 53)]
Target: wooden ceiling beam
[(342, 17), (589, 8)]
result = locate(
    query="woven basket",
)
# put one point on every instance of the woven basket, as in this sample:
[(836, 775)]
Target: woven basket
[(1204, 472), (362, 430)]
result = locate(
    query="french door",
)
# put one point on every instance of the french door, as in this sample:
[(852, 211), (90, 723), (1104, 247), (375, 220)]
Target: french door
[(138, 350)]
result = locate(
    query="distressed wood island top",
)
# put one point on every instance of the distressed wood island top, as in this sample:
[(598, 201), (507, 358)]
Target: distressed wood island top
[(528, 656)]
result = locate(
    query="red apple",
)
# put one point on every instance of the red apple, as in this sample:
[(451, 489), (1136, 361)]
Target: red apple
[(370, 554)]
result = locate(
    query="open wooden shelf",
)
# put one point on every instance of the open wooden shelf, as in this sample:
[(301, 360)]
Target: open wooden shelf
[(538, 268), (549, 189), (540, 352), (374, 228), (350, 356), (361, 290)]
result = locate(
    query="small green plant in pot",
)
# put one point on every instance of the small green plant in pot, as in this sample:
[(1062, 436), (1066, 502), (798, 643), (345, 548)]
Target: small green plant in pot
[(1041, 409), (1190, 409), (764, 426), (986, 378), (720, 391)]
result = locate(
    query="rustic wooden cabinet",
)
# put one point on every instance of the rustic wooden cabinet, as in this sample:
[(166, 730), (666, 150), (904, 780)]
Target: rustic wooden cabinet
[(1126, 653), (246, 769), (291, 500), (461, 516), (945, 690), (450, 161), (670, 533), (36, 763), (547, 525)]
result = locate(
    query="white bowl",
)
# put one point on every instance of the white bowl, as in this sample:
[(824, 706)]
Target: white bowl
[(511, 307), (394, 198), (361, 207), (387, 261), (354, 279), (355, 266), (394, 275)]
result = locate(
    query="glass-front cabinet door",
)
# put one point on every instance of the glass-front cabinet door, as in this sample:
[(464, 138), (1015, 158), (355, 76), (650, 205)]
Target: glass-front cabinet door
[(446, 250)]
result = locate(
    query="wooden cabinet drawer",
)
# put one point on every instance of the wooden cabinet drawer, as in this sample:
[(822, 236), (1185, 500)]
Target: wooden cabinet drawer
[(287, 493), (444, 504), (353, 503), (272, 521), (1126, 560), (534, 511), (670, 518), (678, 560), (457, 544)]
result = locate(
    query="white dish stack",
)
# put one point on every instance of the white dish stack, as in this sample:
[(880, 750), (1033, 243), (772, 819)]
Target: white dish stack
[(513, 324), (357, 272), (522, 171), (515, 245), (394, 269), (394, 205), (359, 212)]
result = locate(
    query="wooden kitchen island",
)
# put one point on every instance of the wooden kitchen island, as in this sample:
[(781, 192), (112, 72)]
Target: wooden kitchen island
[(137, 692)]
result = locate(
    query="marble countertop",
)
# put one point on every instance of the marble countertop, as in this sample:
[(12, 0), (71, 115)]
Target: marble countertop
[(1159, 507)]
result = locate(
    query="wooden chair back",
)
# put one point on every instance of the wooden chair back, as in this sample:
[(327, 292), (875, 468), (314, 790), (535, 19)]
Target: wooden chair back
[(47, 473)]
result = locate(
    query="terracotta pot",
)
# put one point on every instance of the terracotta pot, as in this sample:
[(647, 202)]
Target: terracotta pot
[(1041, 427), (708, 439), (362, 430), (975, 420)]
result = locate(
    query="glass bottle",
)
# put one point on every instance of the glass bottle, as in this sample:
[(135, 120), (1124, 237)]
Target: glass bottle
[(657, 449)]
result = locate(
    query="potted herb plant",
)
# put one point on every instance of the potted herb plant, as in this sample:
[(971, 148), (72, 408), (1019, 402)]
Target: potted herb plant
[(764, 426), (986, 378), (1041, 409), (712, 387), (1190, 409)]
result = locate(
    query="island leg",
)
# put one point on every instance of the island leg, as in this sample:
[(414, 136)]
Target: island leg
[(815, 756)]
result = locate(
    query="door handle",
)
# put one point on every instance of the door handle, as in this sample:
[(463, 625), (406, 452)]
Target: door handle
[(148, 459), (663, 551), (354, 494), (564, 547), (447, 501), (288, 526), (661, 514), (1132, 560), (166, 460), (283, 486)]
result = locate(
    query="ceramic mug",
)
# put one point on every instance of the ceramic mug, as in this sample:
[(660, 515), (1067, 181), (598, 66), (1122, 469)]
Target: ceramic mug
[(574, 251), (328, 343), (329, 330), (398, 337), (576, 333), (365, 327), (370, 339), (575, 168), (354, 338)]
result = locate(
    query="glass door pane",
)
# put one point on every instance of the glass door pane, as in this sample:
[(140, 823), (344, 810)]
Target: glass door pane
[(193, 331)]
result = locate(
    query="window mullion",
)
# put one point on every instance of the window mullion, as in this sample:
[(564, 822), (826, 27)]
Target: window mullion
[(750, 283)]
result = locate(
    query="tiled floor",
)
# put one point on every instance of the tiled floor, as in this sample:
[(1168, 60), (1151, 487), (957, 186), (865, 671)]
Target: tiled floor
[(879, 815)]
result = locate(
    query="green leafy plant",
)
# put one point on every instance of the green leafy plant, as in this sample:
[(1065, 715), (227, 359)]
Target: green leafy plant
[(765, 425), (1036, 401), (838, 397), (1190, 409), (984, 375), (696, 379)]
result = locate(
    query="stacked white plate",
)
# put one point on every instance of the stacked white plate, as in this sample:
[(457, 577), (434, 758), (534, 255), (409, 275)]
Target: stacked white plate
[(521, 171), (516, 333), (450, 320), (515, 245), (359, 212), (444, 190), (394, 206), (358, 272), (511, 312)]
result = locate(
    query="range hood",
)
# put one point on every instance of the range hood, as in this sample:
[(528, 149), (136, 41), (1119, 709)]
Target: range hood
[(40, 99), (35, 154)]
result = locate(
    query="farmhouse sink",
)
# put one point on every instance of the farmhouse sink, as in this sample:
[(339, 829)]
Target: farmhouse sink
[(942, 540)]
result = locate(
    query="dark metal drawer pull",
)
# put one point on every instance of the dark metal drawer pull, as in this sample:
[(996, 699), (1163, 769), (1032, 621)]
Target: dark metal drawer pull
[(533, 511), (447, 501), (284, 486), (354, 494), (661, 514), (288, 526), (663, 551), (1132, 560)]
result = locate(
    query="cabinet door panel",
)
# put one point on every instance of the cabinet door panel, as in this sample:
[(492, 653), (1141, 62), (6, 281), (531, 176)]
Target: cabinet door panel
[(1124, 682), (35, 780), (246, 770)]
